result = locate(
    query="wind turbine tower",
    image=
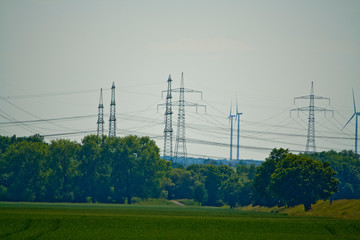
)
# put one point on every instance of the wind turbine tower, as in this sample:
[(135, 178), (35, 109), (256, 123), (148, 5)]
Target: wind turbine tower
[(356, 122), (231, 117), (100, 122), (238, 131), (112, 119)]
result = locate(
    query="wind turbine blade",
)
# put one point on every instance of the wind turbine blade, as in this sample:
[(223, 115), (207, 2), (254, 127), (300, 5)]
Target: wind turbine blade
[(229, 115), (237, 111), (354, 100), (349, 121)]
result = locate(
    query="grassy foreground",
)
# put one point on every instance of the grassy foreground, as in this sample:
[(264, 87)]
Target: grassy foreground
[(102, 221), (345, 209)]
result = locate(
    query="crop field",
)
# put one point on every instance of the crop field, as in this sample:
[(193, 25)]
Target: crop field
[(102, 221)]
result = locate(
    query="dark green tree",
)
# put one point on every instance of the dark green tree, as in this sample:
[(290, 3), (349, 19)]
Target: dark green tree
[(62, 170), (182, 183), (213, 180), (301, 180), (347, 166), (200, 194), (137, 170), (23, 168), (231, 190), (262, 193), (93, 170)]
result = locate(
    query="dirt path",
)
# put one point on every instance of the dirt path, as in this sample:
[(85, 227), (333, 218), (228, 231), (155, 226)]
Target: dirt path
[(178, 203)]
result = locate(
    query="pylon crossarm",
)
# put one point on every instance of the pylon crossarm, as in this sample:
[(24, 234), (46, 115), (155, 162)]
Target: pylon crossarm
[(160, 105), (300, 109), (314, 97), (322, 109), (187, 90), (302, 97)]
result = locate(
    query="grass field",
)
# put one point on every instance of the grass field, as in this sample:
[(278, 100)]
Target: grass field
[(102, 221), (346, 209)]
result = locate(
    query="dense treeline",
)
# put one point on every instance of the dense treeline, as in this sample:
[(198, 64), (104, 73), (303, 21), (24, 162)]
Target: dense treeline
[(128, 169), (97, 170), (347, 166)]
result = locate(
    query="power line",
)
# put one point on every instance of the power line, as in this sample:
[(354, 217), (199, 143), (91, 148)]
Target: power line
[(47, 120)]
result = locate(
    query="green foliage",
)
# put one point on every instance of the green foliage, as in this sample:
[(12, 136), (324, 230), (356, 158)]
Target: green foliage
[(347, 166), (137, 169), (22, 170), (262, 193), (182, 183), (295, 179), (62, 170), (200, 193), (100, 169), (124, 169), (299, 179), (231, 190)]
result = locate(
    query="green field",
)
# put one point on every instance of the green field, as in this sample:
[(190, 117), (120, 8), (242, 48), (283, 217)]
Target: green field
[(101, 221)]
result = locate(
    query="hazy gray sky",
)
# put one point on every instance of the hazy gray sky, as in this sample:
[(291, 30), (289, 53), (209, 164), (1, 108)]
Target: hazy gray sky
[(56, 55)]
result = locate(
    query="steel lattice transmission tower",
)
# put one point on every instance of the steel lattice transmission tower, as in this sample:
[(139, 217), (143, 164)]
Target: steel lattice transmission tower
[(180, 144), (180, 147), (310, 141), (168, 130), (112, 119), (100, 121)]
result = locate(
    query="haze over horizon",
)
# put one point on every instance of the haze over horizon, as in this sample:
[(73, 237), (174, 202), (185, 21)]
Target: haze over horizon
[(56, 55)]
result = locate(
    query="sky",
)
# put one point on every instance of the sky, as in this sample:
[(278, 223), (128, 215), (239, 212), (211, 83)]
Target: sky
[(55, 56)]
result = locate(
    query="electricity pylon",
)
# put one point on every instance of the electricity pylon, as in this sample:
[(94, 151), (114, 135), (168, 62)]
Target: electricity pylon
[(310, 141), (112, 119), (356, 122), (168, 130), (100, 121), (180, 136), (238, 131), (180, 145)]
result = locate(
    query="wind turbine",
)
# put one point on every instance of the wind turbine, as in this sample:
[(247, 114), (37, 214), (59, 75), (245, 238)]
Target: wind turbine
[(356, 123), (231, 131), (238, 130)]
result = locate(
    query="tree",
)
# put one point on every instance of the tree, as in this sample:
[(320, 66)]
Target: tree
[(137, 170), (200, 194), (299, 179), (62, 169), (347, 166), (262, 192), (182, 183), (231, 190), (93, 170), (23, 168), (212, 185)]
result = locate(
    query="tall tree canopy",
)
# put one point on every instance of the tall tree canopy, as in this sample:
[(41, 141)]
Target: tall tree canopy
[(22, 170), (347, 166), (296, 179)]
